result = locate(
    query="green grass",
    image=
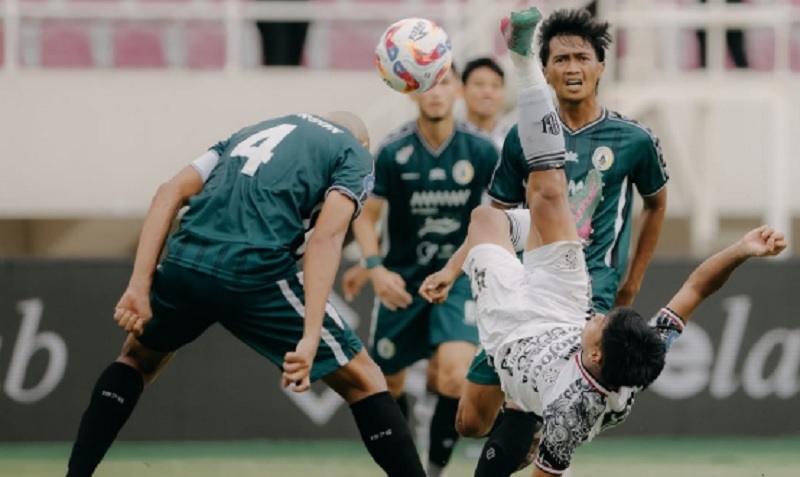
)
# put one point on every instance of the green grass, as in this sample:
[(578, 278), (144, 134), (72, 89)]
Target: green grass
[(609, 457)]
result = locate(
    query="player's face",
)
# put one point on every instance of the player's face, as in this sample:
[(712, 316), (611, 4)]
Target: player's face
[(573, 69), (484, 93), (436, 104)]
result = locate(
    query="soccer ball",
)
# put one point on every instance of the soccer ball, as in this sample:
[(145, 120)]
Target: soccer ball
[(413, 55)]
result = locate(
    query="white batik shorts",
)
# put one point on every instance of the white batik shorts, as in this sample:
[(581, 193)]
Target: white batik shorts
[(516, 300)]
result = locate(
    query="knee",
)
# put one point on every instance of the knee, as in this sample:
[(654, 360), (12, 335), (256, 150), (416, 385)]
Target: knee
[(450, 379), (470, 423), (486, 217)]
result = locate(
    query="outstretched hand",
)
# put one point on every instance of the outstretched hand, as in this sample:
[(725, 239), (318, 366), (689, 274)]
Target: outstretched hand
[(437, 286), (763, 242)]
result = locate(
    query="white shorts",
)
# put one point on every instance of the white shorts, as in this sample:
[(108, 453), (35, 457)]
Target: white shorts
[(516, 300)]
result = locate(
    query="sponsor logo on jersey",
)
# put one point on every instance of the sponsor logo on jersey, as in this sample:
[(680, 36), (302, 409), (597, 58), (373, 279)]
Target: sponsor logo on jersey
[(571, 156), (425, 252), (437, 174), (446, 251), (440, 198), (442, 226), (463, 172), (602, 158), (403, 154)]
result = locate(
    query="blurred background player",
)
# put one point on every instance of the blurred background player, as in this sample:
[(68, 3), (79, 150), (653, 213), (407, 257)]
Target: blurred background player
[(252, 198), (430, 174), (607, 155), (484, 97)]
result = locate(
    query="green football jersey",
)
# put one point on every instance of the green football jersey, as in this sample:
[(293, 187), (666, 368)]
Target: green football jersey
[(264, 189), (605, 159), (430, 194)]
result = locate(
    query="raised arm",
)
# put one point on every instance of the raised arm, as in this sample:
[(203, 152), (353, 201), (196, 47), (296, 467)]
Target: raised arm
[(715, 271)]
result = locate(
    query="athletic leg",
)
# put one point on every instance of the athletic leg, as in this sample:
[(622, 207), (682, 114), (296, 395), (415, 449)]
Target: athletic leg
[(452, 362), (179, 316), (383, 428), (478, 409), (510, 446), (541, 137), (113, 399), (396, 384)]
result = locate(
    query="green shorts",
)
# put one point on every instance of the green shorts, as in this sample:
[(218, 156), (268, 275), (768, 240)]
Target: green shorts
[(401, 338), (481, 372), (268, 318)]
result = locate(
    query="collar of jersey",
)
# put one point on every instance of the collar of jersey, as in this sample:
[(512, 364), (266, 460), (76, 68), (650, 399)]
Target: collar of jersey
[(588, 376), (434, 152), (600, 119)]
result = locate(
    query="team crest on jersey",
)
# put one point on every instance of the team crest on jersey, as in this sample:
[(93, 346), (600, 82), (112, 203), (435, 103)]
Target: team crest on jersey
[(603, 158), (463, 172), (403, 154)]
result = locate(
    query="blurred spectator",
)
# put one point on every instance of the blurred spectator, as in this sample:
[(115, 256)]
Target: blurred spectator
[(733, 38), (484, 97), (282, 42)]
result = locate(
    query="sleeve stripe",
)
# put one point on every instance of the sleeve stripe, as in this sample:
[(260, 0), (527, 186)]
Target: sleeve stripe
[(547, 468), (348, 193), (651, 194), (673, 316)]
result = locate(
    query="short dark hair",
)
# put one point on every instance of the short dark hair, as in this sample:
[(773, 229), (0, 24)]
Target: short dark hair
[(633, 353), (577, 22), (484, 62)]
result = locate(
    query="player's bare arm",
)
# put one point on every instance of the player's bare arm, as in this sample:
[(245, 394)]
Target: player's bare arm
[(322, 256), (437, 285), (715, 271), (652, 218), (133, 310), (389, 286)]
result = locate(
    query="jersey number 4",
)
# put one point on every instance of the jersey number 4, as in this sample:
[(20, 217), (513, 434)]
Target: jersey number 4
[(258, 147)]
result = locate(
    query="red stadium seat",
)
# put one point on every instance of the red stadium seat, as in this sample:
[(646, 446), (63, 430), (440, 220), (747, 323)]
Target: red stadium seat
[(138, 45), (65, 45), (205, 45)]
